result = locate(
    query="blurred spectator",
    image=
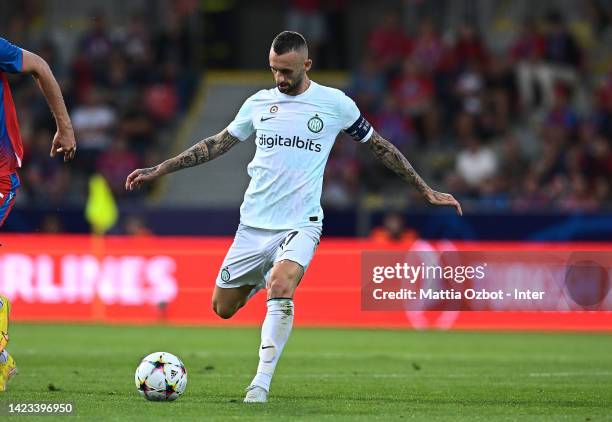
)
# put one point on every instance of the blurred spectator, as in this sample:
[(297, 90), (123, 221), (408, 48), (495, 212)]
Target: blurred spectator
[(580, 197), (469, 48), (560, 47), (415, 96), (393, 125), (136, 226), (547, 59), (469, 88), (550, 163), (428, 50), (93, 121), (562, 115), (393, 230), (387, 44), (161, 97), (334, 53), (118, 81), (476, 163), (306, 17), (367, 85), (500, 92), (599, 12), (602, 100), (341, 176), (137, 40), (95, 46), (513, 163), (561, 54), (115, 163), (527, 53), (174, 43), (531, 197), (51, 224), (43, 179)]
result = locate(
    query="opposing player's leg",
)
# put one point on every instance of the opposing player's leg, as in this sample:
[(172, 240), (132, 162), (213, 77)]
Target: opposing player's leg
[(4, 321), (9, 186), (292, 259), (8, 368)]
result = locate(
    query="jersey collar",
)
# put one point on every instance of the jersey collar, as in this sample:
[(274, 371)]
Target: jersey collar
[(294, 97)]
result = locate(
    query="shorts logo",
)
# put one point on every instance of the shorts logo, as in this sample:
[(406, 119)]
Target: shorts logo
[(315, 124), (225, 274), (274, 109)]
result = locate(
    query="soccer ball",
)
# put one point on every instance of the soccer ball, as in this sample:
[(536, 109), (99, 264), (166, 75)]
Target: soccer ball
[(161, 376)]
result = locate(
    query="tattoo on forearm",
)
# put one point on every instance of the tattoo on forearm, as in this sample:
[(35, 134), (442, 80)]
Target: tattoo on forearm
[(394, 160), (205, 150), (149, 170)]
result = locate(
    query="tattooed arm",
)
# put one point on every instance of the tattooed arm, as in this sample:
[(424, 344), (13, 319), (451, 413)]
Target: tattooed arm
[(393, 159), (205, 150)]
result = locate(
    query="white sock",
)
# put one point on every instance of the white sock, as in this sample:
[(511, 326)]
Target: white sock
[(4, 356), (274, 334)]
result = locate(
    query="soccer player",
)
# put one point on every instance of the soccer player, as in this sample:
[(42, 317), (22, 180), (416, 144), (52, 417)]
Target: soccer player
[(16, 60), (295, 126)]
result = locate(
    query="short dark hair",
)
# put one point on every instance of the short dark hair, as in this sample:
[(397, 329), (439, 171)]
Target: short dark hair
[(288, 41)]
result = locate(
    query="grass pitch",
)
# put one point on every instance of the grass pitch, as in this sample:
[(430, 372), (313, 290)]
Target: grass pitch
[(324, 374)]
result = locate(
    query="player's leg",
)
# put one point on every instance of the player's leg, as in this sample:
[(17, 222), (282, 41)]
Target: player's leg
[(4, 321), (292, 258), (8, 368), (241, 274), (227, 301), (9, 186)]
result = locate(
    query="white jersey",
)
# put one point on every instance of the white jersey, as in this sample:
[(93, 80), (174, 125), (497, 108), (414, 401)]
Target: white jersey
[(294, 136)]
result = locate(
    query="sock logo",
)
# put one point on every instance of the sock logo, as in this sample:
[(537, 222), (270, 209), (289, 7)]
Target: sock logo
[(265, 347)]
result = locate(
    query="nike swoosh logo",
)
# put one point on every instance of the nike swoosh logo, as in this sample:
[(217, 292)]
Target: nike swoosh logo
[(263, 119), (265, 347)]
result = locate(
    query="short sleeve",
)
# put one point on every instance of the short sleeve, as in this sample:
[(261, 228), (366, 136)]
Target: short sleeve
[(242, 125), (353, 123), (11, 57)]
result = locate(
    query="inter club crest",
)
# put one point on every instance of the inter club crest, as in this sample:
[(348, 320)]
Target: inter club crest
[(315, 124)]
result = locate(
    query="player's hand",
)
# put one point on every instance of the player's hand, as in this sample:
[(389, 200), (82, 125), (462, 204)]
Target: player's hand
[(439, 198), (64, 142), (140, 176)]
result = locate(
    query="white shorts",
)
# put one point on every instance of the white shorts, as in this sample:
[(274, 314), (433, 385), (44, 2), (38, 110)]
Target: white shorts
[(254, 252)]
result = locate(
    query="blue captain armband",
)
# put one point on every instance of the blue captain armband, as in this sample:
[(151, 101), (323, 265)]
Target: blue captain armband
[(361, 130)]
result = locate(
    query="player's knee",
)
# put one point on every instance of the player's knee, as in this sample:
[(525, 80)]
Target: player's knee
[(280, 287), (222, 310)]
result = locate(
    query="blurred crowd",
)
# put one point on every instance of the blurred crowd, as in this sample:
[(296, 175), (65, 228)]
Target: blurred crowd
[(521, 128), (125, 88), (524, 129)]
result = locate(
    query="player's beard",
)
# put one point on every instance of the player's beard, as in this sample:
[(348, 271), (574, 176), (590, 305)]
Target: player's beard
[(291, 89)]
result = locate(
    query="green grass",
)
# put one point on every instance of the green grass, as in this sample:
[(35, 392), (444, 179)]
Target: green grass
[(324, 374)]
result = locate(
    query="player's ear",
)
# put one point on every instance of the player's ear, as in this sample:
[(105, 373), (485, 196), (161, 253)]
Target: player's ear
[(307, 64)]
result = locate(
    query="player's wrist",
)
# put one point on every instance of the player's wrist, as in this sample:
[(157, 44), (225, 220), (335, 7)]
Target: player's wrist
[(159, 170), (64, 127), (428, 193)]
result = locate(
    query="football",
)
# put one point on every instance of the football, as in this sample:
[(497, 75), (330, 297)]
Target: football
[(161, 376)]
